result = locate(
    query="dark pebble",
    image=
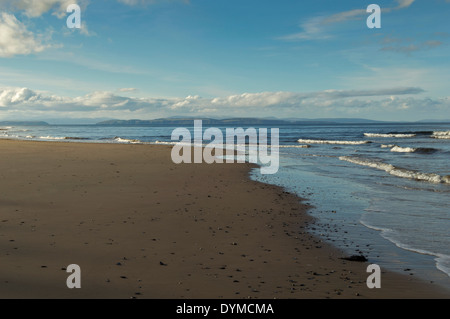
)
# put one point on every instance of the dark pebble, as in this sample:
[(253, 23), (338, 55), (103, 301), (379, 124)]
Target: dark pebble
[(360, 258)]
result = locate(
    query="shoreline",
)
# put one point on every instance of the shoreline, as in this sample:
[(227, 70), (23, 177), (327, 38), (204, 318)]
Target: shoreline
[(140, 226), (350, 234)]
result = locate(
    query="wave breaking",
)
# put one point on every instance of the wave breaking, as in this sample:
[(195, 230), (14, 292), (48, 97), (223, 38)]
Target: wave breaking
[(397, 135), (441, 134), (305, 141), (398, 171)]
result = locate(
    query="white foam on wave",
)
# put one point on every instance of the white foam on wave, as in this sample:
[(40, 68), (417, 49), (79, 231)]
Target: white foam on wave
[(442, 260), (400, 149), (51, 138), (164, 143), (294, 146), (15, 130), (332, 142), (7, 136), (441, 134), (178, 143), (124, 140), (389, 135), (396, 171)]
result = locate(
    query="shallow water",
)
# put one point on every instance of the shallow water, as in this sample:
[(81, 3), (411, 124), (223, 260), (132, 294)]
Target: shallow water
[(393, 207)]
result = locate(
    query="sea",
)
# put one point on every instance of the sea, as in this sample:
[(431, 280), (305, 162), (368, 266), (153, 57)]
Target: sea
[(381, 190)]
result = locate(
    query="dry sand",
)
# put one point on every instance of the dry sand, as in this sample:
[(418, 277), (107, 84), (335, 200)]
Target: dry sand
[(140, 226)]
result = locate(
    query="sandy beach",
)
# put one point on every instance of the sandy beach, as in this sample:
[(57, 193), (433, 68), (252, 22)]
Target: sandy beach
[(140, 226)]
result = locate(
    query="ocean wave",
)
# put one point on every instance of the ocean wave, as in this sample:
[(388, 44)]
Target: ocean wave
[(442, 260), (294, 146), (125, 140), (51, 138), (75, 138), (398, 135), (165, 143), (441, 134), (434, 134), (7, 136), (332, 142), (58, 137), (399, 149), (397, 171)]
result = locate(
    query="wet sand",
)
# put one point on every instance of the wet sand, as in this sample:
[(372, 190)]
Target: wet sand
[(140, 226)]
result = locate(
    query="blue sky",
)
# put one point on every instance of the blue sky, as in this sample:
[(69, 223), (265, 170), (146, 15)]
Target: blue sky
[(257, 58)]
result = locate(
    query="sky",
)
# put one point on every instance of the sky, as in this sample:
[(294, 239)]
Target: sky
[(146, 59)]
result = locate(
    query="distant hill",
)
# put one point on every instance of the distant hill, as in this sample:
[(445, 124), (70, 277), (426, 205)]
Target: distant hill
[(189, 121), (23, 123), (75, 121), (174, 121)]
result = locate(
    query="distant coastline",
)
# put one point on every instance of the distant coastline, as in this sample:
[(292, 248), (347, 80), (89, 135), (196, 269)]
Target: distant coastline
[(244, 121), (23, 123), (187, 121)]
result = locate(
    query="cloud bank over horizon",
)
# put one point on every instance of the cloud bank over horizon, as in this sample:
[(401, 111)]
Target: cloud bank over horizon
[(24, 103)]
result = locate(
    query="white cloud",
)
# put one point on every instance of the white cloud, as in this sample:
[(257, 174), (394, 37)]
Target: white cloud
[(344, 16), (311, 29), (84, 30), (329, 103), (15, 39), (433, 80), (404, 3), (36, 8), (407, 46), (18, 96), (127, 90), (318, 27)]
